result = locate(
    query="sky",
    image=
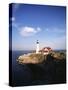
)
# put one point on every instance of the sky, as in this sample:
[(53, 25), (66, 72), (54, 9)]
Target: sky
[(38, 22)]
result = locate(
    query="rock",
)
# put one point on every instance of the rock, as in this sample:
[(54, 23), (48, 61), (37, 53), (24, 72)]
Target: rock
[(31, 58), (40, 58)]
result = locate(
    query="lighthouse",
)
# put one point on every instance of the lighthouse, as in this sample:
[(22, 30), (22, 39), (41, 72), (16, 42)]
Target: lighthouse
[(37, 47)]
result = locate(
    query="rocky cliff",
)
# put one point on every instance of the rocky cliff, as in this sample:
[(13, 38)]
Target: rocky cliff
[(40, 58)]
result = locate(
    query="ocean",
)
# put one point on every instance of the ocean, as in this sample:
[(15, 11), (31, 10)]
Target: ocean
[(38, 74)]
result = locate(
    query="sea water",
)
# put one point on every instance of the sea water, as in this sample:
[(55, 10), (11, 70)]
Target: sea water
[(30, 74)]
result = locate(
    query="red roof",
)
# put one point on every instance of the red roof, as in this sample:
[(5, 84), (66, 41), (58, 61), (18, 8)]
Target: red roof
[(47, 48), (44, 49)]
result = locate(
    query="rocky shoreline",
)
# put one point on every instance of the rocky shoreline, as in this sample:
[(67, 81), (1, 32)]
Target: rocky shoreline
[(33, 58)]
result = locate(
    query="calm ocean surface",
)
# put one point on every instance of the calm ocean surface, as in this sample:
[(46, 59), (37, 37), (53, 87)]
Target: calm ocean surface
[(29, 74), (21, 73)]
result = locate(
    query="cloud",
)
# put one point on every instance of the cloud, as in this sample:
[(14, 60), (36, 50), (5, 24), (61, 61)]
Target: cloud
[(38, 29), (55, 30), (15, 25), (29, 31), (13, 18), (15, 6)]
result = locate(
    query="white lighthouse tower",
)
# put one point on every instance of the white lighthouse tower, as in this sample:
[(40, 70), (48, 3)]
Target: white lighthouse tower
[(37, 47)]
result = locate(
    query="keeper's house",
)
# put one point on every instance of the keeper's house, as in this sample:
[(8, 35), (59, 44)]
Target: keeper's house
[(45, 50)]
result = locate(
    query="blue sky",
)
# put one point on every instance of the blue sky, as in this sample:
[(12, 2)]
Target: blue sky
[(37, 22)]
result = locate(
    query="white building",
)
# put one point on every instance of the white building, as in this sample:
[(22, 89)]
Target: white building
[(45, 50), (37, 47)]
